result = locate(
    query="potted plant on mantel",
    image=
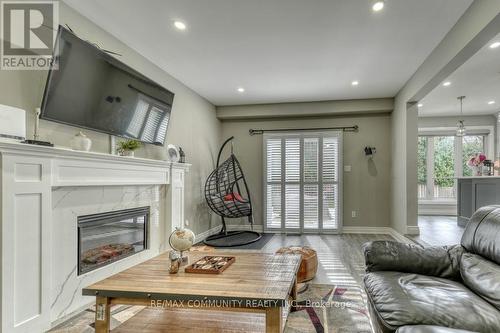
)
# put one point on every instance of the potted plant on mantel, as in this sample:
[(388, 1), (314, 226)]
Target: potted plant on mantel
[(127, 147)]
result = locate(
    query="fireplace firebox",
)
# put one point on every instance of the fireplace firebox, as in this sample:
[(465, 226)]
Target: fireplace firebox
[(107, 237)]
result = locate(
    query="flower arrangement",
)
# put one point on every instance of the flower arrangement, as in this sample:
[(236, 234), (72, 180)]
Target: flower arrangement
[(477, 160)]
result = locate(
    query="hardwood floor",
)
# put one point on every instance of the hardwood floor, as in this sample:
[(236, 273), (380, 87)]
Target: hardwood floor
[(340, 258), (438, 231)]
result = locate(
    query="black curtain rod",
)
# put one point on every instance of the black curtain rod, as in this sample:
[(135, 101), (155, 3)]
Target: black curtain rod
[(354, 128)]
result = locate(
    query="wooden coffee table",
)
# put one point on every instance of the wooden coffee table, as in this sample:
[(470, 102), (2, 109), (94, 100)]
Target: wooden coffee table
[(256, 282)]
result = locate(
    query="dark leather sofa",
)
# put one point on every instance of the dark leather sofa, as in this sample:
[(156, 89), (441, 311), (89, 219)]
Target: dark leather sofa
[(438, 289)]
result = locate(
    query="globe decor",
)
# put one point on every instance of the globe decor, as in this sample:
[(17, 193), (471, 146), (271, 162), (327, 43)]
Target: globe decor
[(181, 240)]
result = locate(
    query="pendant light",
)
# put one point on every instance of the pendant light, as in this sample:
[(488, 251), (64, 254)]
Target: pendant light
[(460, 125)]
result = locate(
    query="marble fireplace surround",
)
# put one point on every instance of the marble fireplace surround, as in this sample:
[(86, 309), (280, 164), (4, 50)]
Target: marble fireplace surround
[(70, 202), (44, 189)]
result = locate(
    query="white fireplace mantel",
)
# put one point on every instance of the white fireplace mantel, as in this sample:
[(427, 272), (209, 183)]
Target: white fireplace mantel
[(29, 174)]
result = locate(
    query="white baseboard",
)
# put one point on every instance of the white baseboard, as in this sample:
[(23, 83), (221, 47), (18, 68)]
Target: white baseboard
[(430, 208), (413, 230), (376, 230), (201, 237)]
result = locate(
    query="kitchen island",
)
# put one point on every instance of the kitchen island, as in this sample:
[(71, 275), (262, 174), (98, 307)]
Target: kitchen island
[(476, 192)]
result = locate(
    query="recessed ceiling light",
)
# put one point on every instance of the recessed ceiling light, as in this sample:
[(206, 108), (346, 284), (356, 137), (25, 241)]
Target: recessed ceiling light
[(354, 83), (494, 45), (378, 6), (420, 105), (240, 89), (447, 83), (491, 102), (180, 25)]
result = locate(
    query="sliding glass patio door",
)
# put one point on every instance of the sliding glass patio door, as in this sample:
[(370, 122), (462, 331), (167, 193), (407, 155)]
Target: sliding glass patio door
[(303, 182)]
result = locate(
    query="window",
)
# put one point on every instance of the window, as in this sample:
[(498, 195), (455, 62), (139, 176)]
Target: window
[(444, 167), (422, 166), (303, 183), (471, 144), (442, 158)]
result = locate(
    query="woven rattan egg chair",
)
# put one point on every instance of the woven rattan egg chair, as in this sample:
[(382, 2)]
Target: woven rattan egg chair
[(223, 192)]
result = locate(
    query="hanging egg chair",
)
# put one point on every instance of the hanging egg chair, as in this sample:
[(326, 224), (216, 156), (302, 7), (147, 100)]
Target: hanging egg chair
[(227, 194)]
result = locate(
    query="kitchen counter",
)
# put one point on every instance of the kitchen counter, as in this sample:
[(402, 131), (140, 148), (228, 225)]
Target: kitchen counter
[(478, 177), (476, 192)]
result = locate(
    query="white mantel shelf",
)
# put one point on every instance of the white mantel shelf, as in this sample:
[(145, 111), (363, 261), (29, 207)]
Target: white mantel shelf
[(77, 168), (29, 175), (26, 149)]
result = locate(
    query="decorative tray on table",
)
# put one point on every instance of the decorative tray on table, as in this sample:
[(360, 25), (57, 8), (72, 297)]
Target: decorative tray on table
[(210, 265)]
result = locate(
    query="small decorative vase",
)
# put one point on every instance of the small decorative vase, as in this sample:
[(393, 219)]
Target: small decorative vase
[(81, 142), (476, 171)]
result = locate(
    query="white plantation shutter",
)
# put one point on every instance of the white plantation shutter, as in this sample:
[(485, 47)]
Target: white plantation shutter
[(302, 182), (311, 204), (273, 214), (273, 183), (273, 160), (330, 156), (311, 182), (330, 204), (292, 206), (292, 160), (311, 149), (292, 187), (330, 182)]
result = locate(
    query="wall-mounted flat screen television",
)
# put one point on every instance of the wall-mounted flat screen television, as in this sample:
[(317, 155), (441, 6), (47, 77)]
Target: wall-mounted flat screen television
[(89, 88)]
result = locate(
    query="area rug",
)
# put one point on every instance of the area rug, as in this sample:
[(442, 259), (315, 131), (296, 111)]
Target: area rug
[(84, 322), (332, 309)]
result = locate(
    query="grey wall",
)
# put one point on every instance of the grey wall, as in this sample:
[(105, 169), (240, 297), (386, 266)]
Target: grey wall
[(307, 109), (193, 125), (366, 187)]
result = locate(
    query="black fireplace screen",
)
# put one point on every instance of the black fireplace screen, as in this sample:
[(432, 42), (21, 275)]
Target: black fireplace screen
[(107, 237)]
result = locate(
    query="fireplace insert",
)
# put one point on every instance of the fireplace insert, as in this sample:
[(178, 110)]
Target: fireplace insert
[(107, 237)]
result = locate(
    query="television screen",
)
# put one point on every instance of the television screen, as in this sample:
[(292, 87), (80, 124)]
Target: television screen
[(89, 88)]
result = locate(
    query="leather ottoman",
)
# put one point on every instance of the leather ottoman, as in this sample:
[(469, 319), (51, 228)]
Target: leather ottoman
[(309, 263)]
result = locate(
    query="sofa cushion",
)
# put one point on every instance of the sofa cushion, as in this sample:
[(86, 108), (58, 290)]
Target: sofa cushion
[(482, 276), (401, 299), (482, 234), (429, 329), (441, 261)]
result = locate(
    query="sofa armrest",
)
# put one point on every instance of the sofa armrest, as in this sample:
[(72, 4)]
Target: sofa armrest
[(408, 258)]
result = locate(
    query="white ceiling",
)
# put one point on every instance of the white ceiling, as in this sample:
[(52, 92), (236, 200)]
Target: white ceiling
[(281, 50), (478, 80)]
